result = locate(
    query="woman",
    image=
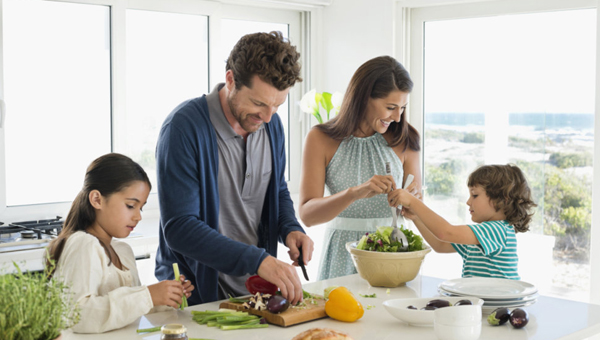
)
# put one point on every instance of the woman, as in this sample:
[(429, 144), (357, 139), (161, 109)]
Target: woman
[(348, 155)]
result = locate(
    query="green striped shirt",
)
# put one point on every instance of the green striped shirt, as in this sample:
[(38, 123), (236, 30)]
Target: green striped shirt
[(496, 253)]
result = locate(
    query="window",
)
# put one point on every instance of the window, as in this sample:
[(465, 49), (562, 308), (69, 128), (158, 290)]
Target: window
[(167, 63), (72, 95), (513, 88), (57, 95)]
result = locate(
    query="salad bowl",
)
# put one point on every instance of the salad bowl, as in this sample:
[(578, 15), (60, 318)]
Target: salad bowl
[(387, 269)]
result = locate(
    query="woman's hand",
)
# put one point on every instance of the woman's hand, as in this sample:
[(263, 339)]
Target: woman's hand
[(378, 184), (166, 293)]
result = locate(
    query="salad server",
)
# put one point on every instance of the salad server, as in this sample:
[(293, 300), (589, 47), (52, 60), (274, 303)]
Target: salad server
[(397, 234)]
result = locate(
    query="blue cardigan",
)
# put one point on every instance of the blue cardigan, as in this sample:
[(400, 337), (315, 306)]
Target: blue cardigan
[(187, 167)]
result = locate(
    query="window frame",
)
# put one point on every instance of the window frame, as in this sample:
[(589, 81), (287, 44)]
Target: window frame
[(292, 15), (410, 42)]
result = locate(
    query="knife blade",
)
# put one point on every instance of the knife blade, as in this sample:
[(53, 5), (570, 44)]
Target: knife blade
[(301, 264)]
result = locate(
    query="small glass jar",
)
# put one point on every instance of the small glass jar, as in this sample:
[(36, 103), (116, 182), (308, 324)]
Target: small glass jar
[(174, 331)]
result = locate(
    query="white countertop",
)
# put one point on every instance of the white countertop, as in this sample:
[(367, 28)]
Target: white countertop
[(550, 318)]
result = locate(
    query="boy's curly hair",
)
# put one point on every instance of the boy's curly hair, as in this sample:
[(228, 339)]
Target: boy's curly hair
[(269, 56), (507, 188)]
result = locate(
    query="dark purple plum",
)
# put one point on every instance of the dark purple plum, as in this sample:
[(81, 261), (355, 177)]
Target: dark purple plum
[(499, 316), (429, 308), (438, 303), (464, 302), (519, 318), (411, 307)]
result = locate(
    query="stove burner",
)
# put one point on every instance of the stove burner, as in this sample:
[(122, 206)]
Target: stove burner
[(28, 230), (28, 234)]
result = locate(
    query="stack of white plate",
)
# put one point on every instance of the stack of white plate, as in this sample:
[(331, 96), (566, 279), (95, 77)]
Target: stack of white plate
[(494, 292)]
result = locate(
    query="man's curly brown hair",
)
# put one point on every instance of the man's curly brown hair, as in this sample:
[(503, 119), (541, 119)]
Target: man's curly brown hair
[(507, 188), (269, 56)]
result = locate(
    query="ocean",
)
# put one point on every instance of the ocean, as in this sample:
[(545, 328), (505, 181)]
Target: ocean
[(539, 121)]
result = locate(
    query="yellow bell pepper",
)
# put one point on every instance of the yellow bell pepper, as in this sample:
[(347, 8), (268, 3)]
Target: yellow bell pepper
[(343, 306)]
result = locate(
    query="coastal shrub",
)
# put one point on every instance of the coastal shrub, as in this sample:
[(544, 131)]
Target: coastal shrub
[(442, 179), (571, 160), (474, 138), (439, 181), (445, 135), (567, 210), (532, 145)]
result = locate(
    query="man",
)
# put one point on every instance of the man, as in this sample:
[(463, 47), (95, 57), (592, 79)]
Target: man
[(224, 202)]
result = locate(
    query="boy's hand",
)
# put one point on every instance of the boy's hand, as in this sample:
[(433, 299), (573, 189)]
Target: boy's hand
[(409, 213), (400, 197)]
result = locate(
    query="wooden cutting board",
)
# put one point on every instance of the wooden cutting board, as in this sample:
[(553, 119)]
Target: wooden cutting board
[(292, 316)]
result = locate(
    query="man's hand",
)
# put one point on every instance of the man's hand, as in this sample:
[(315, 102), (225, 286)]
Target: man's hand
[(297, 239), (283, 276)]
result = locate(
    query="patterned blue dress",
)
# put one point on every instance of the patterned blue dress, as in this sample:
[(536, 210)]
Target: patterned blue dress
[(355, 162)]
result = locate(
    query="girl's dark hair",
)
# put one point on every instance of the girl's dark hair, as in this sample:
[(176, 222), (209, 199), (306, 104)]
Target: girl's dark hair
[(269, 56), (376, 78), (507, 188), (108, 174)]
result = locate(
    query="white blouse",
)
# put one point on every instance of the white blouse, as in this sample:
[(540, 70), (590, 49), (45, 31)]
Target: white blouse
[(109, 298)]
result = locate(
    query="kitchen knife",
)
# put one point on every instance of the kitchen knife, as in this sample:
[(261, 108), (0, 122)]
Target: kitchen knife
[(301, 264)]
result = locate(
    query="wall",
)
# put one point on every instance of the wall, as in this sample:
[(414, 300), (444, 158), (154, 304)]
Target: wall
[(350, 33)]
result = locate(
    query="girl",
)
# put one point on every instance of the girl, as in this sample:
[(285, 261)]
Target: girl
[(500, 203), (347, 155), (100, 269)]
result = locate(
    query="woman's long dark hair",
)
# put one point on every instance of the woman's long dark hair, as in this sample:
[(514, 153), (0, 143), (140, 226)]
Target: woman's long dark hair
[(376, 78), (108, 174)]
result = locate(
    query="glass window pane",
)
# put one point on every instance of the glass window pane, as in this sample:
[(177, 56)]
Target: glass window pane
[(167, 63), (518, 89), (231, 31), (57, 93)]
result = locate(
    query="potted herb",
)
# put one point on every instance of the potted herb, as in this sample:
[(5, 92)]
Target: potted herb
[(33, 306)]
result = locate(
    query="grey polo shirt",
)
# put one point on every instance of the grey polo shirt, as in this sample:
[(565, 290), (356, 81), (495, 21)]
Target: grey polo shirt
[(244, 173)]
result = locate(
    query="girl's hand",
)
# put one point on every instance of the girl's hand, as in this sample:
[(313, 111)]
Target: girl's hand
[(187, 286), (376, 185), (166, 293)]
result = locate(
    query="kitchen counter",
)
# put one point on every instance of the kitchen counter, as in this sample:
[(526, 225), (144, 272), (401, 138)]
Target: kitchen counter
[(550, 318), (143, 241)]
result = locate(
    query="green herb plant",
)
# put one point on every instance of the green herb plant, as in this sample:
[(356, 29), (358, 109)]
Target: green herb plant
[(35, 306)]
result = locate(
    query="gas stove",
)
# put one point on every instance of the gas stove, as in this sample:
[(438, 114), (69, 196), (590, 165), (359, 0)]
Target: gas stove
[(27, 235)]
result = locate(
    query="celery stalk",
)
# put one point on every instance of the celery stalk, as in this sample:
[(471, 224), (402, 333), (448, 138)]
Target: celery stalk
[(184, 299), (148, 330)]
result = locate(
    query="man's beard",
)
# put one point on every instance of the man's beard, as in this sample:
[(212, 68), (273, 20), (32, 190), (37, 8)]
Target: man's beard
[(244, 123)]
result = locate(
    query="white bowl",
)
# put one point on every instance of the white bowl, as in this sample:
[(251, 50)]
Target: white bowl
[(417, 317), (464, 315), (453, 332)]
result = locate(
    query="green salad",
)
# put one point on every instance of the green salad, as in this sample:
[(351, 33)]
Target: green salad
[(380, 241)]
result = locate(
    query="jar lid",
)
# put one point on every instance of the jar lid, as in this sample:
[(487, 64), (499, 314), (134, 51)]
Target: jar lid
[(173, 328)]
